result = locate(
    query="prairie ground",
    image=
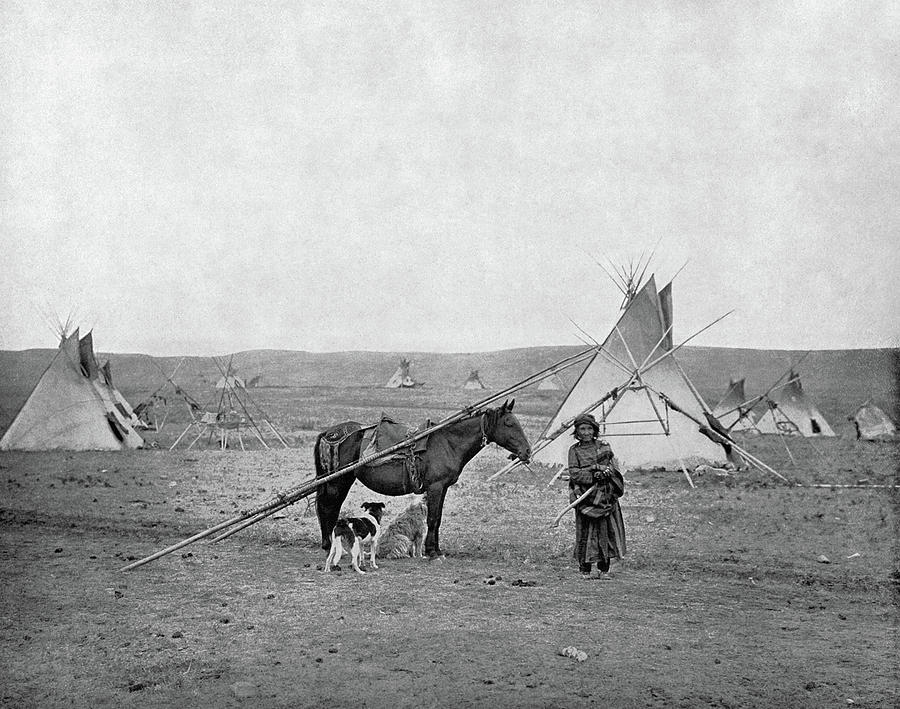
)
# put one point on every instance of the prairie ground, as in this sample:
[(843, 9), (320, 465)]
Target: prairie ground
[(725, 598)]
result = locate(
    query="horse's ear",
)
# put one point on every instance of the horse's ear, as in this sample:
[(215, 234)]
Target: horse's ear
[(511, 404)]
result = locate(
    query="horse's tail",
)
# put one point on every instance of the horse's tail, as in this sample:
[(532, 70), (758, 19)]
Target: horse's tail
[(317, 455)]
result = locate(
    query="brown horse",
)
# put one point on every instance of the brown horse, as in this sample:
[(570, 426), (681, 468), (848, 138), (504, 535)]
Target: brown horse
[(448, 451)]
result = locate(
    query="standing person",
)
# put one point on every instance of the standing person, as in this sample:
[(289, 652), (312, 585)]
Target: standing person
[(599, 528)]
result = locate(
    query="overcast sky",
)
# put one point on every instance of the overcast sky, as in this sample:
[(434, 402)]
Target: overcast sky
[(206, 177)]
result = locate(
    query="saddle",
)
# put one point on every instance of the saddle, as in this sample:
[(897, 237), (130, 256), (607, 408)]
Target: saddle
[(388, 433), (375, 438)]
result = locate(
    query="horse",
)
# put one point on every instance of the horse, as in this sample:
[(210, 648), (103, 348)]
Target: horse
[(438, 467)]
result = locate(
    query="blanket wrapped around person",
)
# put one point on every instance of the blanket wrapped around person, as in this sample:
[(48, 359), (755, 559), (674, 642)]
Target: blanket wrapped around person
[(599, 527)]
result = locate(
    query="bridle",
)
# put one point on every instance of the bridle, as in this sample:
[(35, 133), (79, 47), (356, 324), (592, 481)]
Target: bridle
[(484, 435)]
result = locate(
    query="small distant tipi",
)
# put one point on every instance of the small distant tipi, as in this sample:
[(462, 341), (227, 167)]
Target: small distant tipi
[(729, 411), (474, 381), (401, 379), (791, 413), (231, 381), (551, 383)]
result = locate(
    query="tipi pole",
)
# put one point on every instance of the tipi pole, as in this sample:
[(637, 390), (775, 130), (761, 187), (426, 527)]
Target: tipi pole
[(637, 374), (655, 410), (781, 436), (233, 395), (684, 342), (277, 434), (177, 440), (563, 427), (753, 459), (756, 399), (198, 438), (248, 522), (182, 543), (546, 439)]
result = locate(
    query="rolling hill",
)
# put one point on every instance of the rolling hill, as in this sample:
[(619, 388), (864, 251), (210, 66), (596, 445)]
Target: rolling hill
[(838, 380)]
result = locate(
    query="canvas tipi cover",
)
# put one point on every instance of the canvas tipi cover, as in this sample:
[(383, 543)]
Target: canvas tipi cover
[(231, 381), (872, 423), (551, 383), (474, 381), (401, 378), (791, 413), (643, 443), (69, 409), (728, 411)]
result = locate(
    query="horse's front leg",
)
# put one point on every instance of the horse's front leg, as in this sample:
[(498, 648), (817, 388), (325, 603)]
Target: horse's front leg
[(435, 495), (329, 498)]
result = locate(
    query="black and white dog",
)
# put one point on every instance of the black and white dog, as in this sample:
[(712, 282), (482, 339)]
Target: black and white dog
[(355, 532)]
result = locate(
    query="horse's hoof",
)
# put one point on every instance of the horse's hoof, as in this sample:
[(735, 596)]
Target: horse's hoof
[(435, 557)]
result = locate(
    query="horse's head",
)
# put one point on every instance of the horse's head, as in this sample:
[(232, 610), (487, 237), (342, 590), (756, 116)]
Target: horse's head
[(504, 429)]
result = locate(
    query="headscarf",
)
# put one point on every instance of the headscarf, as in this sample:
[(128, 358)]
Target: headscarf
[(588, 419)]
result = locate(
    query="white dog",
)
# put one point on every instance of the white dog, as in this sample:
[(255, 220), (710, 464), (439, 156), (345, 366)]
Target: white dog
[(355, 532)]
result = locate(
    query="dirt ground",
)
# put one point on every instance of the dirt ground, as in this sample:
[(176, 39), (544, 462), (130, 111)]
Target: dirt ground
[(722, 601)]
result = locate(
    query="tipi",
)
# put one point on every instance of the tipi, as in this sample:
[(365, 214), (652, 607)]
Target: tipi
[(551, 383), (641, 426), (72, 407), (791, 413), (872, 423), (233, 418), (231, 381), (161, 399), (474, 381), (729, 410), (401, 378)]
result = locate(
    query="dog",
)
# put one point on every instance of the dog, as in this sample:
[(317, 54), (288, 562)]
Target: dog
[(355, 532), (405, 536)]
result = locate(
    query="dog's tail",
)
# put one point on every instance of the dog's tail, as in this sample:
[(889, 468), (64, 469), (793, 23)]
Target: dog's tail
[(343, 530)]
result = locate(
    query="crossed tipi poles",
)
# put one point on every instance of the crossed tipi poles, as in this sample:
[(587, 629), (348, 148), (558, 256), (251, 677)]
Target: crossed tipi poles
[(776, 419), (161, 398), (652, 376), (233, 416)]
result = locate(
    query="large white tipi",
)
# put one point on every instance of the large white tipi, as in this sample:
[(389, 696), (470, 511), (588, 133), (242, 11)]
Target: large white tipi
[(73, 407), (791, 413), (644, 431)]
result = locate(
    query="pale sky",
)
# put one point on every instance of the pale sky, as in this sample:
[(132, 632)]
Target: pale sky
[(206, 177)]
